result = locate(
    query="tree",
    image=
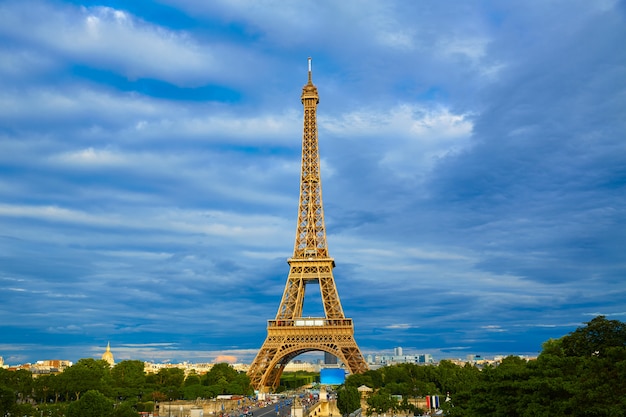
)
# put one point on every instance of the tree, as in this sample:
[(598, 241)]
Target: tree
[(53, 410), (593, 339), (171, 377), (381, 402), (219, 372), (128, 380), (582, 374), (43, 387), (348, 400), (192, 379), (356, 380), (192, 392), (91, 404), (22, 382), (124, 410), (8, 399), (86, 374), (224, 379)]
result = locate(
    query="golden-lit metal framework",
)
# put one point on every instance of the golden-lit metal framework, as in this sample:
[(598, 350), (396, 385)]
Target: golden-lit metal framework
[(290, 334)]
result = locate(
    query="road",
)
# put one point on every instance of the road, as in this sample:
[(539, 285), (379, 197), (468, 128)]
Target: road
[(274, 410)]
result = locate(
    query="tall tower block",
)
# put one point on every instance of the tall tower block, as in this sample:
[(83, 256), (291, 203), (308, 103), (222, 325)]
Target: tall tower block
[(290, 334)]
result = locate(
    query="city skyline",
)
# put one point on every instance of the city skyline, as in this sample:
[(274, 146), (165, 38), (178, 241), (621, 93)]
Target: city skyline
[(381, 358), (472, 162)]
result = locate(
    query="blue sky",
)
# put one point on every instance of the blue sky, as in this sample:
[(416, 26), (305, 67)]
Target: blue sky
[(473, 167)]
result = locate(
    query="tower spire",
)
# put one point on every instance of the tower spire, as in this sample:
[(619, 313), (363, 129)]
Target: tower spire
[(311, 231)]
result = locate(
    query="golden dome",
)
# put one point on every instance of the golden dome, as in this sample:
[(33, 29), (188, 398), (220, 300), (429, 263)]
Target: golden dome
[(108, 356)]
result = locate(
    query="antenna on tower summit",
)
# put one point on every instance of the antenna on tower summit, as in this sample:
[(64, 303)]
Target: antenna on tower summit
[(310, 78)]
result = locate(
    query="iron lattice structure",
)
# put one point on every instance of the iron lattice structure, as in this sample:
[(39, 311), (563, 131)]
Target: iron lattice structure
[(290, 334)]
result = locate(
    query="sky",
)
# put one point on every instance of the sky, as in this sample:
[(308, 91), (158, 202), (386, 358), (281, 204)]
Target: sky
[(473, 163)]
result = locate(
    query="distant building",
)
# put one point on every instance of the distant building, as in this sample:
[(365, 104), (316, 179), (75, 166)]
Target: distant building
[(108, 356), (302, 366), (52, 366), (196, 368), (398, 357), (330, 359)]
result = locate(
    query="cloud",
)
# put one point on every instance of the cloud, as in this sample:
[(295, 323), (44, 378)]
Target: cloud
[(114, 40), (420, 135), (226, 358)]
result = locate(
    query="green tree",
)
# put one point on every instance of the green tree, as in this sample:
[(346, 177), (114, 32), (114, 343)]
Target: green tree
[(8, 399), (170, 377), (169, 381), (598, 335), (84, 375), (348, 400), (43, 388), (224, 379), (192, 392), (124, 410), (52, 410), (128, 380), (19, 383), (192, 379), (381, 402), (91, 404), (22, 382), (582, 374), (219, 372), (357, 380)]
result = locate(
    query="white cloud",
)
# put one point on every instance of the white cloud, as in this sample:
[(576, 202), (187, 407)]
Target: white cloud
[(114, 40), (90, 157), (473, 48), (415, 137)]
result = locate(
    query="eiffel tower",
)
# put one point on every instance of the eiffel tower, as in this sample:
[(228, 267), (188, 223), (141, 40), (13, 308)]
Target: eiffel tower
[(290, 334)]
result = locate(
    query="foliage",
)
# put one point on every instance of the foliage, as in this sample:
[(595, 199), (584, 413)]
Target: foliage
[(599, 335), (192, 392), (381, 402), (126, 387), (224, 379), (53, 410), (581, 374), (7, 399), (85, 375), (348, 400), (91, 404), (124, 410)]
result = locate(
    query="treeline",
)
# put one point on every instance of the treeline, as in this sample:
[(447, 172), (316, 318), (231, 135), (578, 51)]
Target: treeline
[(92, 388), (580, 374)]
